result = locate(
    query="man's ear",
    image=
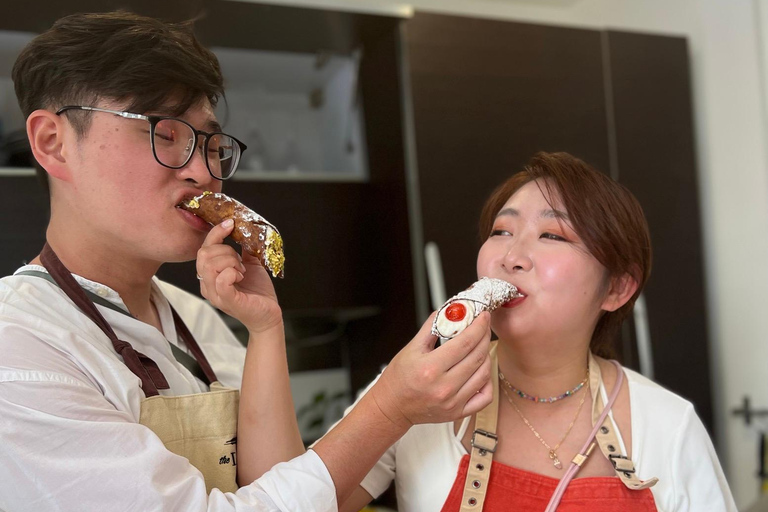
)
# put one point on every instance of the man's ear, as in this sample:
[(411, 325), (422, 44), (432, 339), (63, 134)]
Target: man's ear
[(47, 134), (621, 290)]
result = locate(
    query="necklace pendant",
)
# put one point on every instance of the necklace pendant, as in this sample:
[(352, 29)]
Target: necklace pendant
[(555, 459)]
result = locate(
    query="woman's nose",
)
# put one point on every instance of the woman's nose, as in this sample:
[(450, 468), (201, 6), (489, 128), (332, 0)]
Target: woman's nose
[(517, 258)]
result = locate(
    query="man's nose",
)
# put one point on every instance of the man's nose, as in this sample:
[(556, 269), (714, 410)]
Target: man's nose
[(197, 167)]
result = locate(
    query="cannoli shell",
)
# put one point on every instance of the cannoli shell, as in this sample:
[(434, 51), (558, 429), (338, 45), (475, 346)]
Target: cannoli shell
[(258, 237)]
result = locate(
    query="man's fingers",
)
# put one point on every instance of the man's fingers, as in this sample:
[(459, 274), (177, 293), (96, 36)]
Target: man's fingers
[(215, 263), (476, 381), (457, 349), (424, 338), (217, 234), (472, 361), (479, 400)]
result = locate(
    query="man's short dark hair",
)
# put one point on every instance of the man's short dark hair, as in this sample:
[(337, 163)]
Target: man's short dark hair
[(119, 56)]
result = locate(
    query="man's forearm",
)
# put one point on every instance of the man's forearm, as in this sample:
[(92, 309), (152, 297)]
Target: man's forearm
[(267, 429), (351, 449)]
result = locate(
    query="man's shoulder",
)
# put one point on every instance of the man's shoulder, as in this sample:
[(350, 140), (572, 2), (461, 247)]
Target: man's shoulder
[(27, 295), (177, 295), (187, 305)]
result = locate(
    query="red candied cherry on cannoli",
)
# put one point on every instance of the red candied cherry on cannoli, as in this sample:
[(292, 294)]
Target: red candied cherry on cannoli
[(455, 312)]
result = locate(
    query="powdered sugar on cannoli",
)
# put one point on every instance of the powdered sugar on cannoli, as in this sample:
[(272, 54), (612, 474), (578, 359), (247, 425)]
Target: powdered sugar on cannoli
[(253, 232), (459, 311)]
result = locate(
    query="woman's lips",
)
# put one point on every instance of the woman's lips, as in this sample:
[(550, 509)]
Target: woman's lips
[(513, 303), (194, 221), (516, 301)]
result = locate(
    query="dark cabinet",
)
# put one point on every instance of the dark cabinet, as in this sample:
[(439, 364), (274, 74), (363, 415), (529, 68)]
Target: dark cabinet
[(655, 159), (488, 94)]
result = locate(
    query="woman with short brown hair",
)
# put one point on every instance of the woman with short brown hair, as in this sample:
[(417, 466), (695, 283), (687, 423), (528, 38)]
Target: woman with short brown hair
[(568, 429)]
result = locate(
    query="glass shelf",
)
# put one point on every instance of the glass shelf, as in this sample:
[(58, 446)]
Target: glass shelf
[(300, 114)]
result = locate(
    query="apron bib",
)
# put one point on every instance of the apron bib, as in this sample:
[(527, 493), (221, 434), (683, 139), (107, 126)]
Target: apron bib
[(512, 489), (484, 485), (201, 427)]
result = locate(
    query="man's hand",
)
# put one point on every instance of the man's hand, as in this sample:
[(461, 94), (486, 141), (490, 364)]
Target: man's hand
[(239, 286), (422, 385)]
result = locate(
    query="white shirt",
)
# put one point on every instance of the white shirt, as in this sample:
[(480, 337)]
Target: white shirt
[(668, 441), (69, 410)]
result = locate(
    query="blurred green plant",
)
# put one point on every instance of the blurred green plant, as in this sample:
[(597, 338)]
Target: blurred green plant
[(320, 413)]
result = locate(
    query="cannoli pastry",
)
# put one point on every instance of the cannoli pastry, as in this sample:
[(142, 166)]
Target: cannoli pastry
[(252, 231), (459, 311)]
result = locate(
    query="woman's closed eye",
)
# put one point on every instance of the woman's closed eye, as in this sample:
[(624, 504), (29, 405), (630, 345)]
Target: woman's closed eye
[(552, 236)]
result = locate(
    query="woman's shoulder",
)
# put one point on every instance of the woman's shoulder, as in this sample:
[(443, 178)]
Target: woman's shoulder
[(647, 395)]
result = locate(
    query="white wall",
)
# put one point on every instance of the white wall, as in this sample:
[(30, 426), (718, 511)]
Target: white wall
[(730, 86)]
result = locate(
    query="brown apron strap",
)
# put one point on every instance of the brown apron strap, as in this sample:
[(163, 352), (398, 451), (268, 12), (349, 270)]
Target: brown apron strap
[(607, 439), (484, 442), (191, 343), (152, 379)]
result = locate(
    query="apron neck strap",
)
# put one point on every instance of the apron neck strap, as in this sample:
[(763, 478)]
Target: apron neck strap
[(191, 343), (152, 379), (484, 442)]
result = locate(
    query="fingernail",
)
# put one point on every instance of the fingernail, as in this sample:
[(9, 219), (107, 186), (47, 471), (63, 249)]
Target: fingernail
[(228, 223), (242, 267)]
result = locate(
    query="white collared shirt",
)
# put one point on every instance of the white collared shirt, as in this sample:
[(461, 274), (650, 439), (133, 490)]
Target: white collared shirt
[(70, 437)]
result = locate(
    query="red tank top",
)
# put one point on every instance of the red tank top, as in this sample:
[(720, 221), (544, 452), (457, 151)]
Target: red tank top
[(514, 489)]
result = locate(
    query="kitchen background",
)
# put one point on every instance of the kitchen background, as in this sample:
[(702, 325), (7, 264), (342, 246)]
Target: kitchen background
[(375, 127)]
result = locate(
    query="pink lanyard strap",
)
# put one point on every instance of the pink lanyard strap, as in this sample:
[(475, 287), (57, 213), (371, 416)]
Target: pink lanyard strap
[(579, 459)]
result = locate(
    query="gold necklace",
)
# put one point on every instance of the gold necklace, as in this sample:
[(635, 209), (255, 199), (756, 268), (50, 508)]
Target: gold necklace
[(552, 451), (545, 400)]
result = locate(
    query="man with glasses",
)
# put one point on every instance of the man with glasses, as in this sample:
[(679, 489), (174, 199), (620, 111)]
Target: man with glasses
[(113, 384), (173, 142)]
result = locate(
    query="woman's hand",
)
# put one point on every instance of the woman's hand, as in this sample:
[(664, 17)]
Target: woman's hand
[(422, 385), (239, 286)]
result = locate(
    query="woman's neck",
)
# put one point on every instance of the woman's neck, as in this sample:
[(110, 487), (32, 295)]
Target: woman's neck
[(543, 369)]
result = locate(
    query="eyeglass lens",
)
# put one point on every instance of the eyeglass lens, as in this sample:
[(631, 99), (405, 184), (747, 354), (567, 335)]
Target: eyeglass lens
[(174, 142)]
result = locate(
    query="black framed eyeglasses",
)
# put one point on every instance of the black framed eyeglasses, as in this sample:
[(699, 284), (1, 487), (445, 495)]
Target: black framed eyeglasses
[(174, 141)]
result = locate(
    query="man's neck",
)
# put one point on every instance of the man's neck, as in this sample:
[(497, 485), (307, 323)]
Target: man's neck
[(129, 277)]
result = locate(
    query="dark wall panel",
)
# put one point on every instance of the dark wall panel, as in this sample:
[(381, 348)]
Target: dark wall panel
[(655, 148), (24, 214), (486, 96)]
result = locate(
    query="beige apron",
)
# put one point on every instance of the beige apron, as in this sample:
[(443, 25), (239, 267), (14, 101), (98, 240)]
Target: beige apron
[(201, 427), (485, 440)]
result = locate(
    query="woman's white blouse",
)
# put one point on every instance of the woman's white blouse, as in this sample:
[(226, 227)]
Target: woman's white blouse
[(669, 441)]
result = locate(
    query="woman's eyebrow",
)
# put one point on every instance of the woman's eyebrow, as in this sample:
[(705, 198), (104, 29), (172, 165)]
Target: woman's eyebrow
[(553, 214), (545, 214), (508, 211)]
